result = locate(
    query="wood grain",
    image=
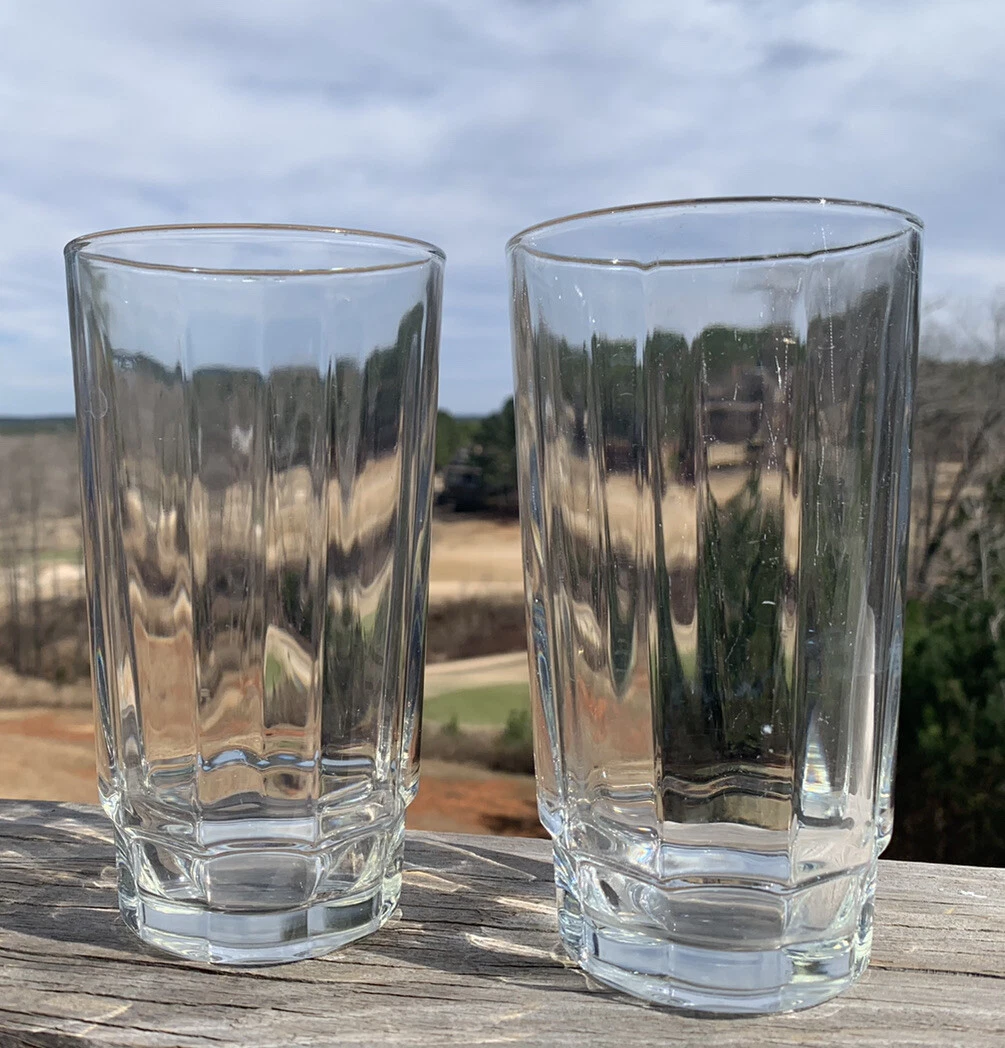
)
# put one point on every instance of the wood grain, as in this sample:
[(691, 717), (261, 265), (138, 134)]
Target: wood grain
[(472, 959)]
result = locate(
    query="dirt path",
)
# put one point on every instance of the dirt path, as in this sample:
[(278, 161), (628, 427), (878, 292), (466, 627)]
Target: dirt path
[(473, 557), (464, 674)]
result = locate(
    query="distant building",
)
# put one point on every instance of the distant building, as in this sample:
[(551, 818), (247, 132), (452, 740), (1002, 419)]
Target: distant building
[(463, 484)]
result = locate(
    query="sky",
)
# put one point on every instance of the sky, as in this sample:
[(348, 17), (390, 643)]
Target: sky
[(463, 121)]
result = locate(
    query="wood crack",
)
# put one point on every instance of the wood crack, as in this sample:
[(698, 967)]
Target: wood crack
[(118, 1026)]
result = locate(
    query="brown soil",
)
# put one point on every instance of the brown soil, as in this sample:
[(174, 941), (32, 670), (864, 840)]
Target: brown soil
[(463, 798), (48, 754), (475, 557)]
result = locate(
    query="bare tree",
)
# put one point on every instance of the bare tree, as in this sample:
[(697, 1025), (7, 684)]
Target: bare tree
[(959, 433), (39, 528)]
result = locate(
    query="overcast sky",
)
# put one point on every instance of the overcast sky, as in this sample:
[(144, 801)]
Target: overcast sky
[(462, 121)]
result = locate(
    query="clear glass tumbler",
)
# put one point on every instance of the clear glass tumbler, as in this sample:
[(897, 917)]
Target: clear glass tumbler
[(256, 409), (713, 412)]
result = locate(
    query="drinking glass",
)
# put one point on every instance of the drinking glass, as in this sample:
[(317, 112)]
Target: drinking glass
[(713, 413), (256, 409)]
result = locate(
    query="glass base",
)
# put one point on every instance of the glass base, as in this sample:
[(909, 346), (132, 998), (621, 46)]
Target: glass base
[(721, 949), (259, 907), (244, 939)]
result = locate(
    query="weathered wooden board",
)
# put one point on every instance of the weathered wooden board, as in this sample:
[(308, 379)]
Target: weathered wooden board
[(472, 959)]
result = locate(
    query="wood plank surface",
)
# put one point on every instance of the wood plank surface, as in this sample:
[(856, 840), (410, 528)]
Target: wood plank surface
[(472, 959)]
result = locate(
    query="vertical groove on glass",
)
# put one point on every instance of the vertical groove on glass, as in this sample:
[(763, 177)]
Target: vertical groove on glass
[(197, 524), (192, 562), (796, 479), (653, 620), (901, 328), (120, 564), (707, 731), (202, 513), (395, 654), (645, 774), (883, 570), (320, 488), (585, 537), (348, 749), (671, 441), (535, 511), (773, 424), (811, 777), (255, 530), (562, 577), (420, 516), (82, 330)]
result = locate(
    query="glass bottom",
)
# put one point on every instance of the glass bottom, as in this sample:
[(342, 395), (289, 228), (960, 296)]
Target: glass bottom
[(260, 906), (720, 949)]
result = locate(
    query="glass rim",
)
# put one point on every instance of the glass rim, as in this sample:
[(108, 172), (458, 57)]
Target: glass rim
[(522, 240), (81, 247)]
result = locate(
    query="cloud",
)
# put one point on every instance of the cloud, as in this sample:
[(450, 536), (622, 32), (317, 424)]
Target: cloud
[(794, 55), (462, 123)]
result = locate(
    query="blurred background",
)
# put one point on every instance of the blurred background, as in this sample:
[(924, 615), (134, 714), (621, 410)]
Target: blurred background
[(462, 123)]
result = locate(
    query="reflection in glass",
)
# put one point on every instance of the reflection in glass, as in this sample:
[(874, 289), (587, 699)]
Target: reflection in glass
[(256, 411), (713, 414)]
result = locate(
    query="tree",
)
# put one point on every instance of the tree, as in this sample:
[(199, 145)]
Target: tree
[(453, 434), (496, 440), (950, 789), (959, 432)]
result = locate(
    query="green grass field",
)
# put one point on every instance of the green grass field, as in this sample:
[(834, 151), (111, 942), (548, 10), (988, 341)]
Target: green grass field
[(60, 556), (488, 707)]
